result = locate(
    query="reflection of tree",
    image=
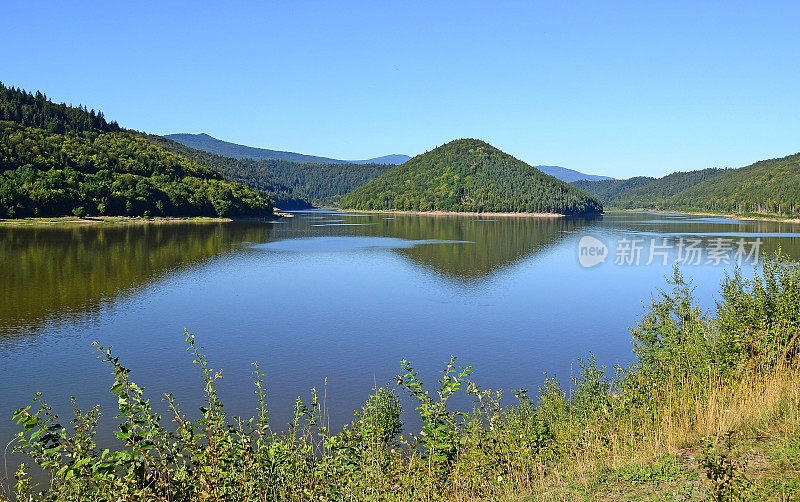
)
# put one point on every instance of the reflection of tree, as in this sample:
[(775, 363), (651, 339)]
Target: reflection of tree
[(490, 243), (47, 272)]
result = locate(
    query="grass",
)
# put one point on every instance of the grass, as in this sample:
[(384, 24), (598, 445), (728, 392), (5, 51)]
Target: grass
[(755, 420)]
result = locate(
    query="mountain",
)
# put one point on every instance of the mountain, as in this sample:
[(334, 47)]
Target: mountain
[(210, 144), (469, 175), (289, 184), (658, 193), (769, 186), (570, 175), (644, 192), (59, 160), (607, 190), (766, 187), (395, 159)]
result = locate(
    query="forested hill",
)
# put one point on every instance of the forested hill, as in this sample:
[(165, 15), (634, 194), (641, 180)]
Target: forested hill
[(659, 192), (210, 144), (644, 192), (607, 190), (291, 185), (769, 186), (766, 187), (469, 175), (244, 171), (60, 160)]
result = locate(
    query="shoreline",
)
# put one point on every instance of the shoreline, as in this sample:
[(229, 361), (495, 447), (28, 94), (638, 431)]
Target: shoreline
[(120, 220), (456, 213), (733, 216)]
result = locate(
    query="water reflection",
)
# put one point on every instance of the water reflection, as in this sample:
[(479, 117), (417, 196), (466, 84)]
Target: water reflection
[(465, 248), (54, 273), (63, 273)]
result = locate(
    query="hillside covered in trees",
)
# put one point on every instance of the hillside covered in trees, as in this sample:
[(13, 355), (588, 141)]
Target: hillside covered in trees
[(291, 185), (469, 175), (245, 171), (769, 186), (606, 190), (59, 160), (766, 187)]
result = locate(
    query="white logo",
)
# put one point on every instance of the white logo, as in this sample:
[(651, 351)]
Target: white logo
[(591, 251)]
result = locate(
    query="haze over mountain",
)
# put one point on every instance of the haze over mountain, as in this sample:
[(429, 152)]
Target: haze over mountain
[(570, 175), (210, 144), (469, 175)]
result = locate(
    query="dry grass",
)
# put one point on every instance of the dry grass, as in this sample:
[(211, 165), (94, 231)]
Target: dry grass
[(757, 414)]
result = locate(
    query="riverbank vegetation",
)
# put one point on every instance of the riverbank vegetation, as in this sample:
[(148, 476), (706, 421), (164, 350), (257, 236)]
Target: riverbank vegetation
[(709, 409)]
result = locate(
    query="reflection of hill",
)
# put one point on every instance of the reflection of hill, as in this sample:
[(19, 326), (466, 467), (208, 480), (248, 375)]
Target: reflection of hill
[(494, 243), (49, 272), (490, 243)]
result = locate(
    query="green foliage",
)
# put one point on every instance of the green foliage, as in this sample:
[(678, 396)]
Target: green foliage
[(766, 187), (759, 319), (116, 173), (469, 176), (726, 475), (291, 185), (769, 186), (35, 110), (592, 390), (608, 190), (379, 420), (672, 340), (659, 194), (58, 160), (442, 427)]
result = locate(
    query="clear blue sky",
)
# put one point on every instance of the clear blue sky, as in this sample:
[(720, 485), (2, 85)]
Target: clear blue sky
[(616, 88)]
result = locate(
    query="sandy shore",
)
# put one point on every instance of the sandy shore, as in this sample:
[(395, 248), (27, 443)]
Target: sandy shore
[(745, 217), (107, 220), (458, 213)]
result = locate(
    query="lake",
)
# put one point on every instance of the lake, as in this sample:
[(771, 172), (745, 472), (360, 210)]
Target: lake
[(342, 298)]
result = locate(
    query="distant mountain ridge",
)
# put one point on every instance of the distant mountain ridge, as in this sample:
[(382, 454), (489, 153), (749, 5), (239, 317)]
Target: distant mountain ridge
[(216, 146), (570, 175)]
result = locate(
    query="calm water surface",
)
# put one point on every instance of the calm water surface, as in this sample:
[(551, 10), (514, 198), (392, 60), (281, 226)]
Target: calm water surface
[(328, 295)]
